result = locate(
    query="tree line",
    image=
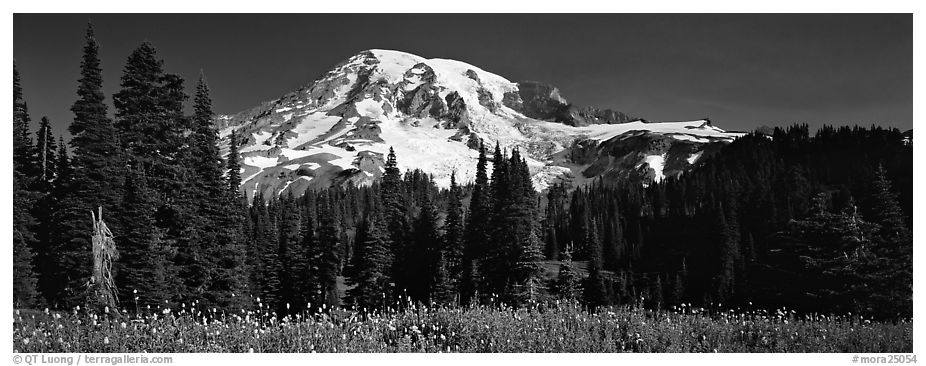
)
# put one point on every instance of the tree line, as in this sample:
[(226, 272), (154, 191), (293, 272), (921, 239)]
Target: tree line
[(815, 222)]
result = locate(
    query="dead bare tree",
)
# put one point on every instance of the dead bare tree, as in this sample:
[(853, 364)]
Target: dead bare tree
[(102, 288)]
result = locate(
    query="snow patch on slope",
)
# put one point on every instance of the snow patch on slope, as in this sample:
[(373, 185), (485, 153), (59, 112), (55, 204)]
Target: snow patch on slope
[(694, 157), (657, 164)]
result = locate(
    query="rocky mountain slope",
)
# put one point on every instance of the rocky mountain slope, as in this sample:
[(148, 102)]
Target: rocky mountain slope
[(434, 113)]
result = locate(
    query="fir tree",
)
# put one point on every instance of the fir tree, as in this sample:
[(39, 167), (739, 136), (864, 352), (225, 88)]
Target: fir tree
[(594, 291), (266, 247), (96, 181), (23, 150), (327, 255), (529, 273), (892, 267), (42, 209), (475, 234), (568, 283), (234, 166), (219, 211), (371, 281), (46, 149), (143, 263), (396, 216), (423, 255), (288, 242), (25, 281), (453, 237)]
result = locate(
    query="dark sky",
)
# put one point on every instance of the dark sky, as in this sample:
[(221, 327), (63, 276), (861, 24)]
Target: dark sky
[(741, 71)]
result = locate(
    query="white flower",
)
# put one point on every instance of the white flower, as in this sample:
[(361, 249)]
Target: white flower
[(251, 350), (25, 340), (105, 340), (166, 311), (134, 291)]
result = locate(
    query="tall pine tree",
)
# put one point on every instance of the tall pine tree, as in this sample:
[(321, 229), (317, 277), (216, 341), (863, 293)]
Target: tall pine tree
[(96, 182), (25, 281)]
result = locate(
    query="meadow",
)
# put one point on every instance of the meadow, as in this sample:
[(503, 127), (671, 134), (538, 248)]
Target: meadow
[(555, 327)]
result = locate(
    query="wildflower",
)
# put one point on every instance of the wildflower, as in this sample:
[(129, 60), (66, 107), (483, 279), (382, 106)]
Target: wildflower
[(105, 340), (251, 350), (25, 340), (166, 311), (134, 291), (105, 309), (123, 325)]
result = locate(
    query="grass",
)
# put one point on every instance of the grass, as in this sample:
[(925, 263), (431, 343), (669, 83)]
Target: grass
[(553, 328)]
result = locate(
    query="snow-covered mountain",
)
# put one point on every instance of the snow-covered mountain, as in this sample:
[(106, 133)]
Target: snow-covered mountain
[(434, 112)]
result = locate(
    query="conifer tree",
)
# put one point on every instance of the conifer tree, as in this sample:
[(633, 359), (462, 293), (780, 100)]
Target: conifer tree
[(594, 291), (218, 210), (266, 248), (453, 237), (23, 150), (497, 258), (46, 148), (395, 213), (835, 251), (529, 272), (568, 283), (374, 265), (423, 254), (96, 182), (45, 255), (288, 244), (552, 221), (892, 266), (302, 255), (143, 264), (25, 281), (233, 165), (475, 236), (327, 255)]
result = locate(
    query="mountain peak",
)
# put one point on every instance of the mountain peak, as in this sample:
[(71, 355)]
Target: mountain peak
[(434, 113)]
